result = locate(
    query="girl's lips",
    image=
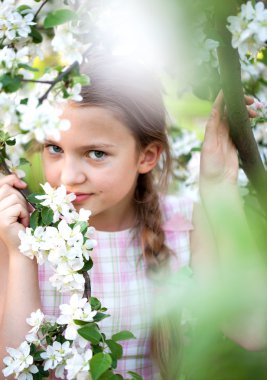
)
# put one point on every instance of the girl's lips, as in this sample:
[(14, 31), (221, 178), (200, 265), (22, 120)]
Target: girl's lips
[(80, 197)]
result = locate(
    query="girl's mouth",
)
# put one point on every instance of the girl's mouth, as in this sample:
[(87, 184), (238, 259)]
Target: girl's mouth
[(81, 197)]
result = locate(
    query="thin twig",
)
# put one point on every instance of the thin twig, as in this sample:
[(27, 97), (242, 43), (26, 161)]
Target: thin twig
[(39, 9), (87, 286), (58, 79), (37, 81)]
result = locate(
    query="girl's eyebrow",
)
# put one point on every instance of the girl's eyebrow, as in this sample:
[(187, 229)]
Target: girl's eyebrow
[(84, 147)]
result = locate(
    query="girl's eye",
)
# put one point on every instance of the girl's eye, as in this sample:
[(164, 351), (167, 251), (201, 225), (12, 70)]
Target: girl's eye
[(97, 155), (53, 149)]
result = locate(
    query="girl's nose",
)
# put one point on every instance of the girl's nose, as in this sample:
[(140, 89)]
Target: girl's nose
[(72, 173)]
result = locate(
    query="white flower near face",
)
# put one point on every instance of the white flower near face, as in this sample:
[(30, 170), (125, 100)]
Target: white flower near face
[(18, 361), (10, 59), (41, 120), (13, 165), (35, 320), (19, 26), (78, 365), (65, 44), (8, 104), (55, 354), (58, 200), (72, 236)]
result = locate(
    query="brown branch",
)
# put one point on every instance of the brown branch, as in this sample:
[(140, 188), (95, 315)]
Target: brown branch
[(39, 9), (240, 126), (87, 286), (59, 78)]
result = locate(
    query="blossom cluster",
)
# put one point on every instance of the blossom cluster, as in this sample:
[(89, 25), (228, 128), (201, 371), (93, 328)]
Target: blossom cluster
[(68, 358), (66, 246), (71, 345), (30, 31), (249, 29)]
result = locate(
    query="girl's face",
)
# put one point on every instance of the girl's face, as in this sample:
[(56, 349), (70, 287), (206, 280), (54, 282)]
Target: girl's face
[(97, 159)]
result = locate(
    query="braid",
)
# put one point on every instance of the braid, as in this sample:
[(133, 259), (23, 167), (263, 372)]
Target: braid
[(149, 217), (165, 337)]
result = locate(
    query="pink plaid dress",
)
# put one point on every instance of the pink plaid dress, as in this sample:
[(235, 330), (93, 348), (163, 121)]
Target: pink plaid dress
[(119, 281)]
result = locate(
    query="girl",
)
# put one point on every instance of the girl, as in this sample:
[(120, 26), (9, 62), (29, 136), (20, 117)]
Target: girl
[(110, 159)]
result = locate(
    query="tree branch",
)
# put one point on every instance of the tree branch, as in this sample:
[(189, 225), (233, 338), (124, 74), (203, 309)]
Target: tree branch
[(240, 127), (58, 79)]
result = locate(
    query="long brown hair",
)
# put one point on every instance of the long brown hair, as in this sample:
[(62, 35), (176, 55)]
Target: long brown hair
[(134, 95)]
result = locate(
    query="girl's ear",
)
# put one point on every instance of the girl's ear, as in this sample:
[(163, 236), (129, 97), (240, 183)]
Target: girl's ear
[(149, 157)]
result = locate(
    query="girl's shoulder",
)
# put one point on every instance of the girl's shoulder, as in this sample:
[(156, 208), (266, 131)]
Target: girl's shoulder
[(177, 213)]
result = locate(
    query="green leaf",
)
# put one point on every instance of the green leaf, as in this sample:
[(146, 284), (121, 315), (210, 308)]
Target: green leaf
[(90, 333), (34, 219), (123, 335), (95, 303), (87, 266), (82, 79), (36, 36), (58, 17), (27, 67), (99, 364), (32, 198), (109, 375), (37, 356), (83, 226), (10, 83), (22, 8), (79, 322), (11, 141), (47, 216), (100, 316), (115, 348), (23, 161), (135, 375)]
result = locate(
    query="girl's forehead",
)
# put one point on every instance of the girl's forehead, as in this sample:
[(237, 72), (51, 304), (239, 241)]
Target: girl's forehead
[(97, 124)]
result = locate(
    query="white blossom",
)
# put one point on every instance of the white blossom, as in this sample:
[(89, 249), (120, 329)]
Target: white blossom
[(68, 281), (58, 200), (18, 25), (41, 120), (10, 58), (65, 43), (78, 308), (34, 243), (19, 361), (35, 320), (13, 165), (249, 29), (78, 365), (55, 354)]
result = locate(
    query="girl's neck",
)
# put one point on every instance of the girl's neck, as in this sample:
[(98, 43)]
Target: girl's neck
[(109, 223)]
